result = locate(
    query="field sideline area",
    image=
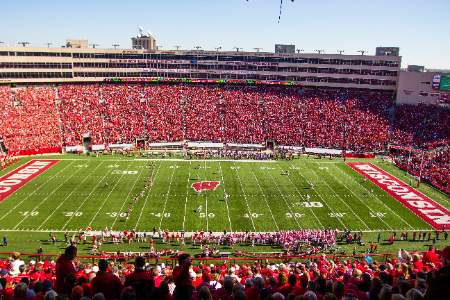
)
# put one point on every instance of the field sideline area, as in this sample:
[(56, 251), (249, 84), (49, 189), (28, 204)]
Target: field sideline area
[(80, 192)]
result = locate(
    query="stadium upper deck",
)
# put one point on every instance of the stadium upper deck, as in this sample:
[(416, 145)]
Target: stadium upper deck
[(51, 65)]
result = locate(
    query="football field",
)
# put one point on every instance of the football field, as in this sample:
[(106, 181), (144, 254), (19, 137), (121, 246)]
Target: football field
[(211, 195)]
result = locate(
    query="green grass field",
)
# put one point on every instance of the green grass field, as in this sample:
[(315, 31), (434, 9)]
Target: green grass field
[(315, 193)]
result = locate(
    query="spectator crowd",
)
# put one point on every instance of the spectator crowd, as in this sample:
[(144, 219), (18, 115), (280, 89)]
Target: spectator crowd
[(407, 276), (43, 117)]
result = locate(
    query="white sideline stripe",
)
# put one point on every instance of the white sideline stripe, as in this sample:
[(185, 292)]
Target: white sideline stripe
[(351, 191), (342, 200), (265, 199), (153, 176), (385, 205), (33, 192), (187, 193), (67, 197), (224, 192), (126, 198), (301, 196), (86, 198), (107, 197), (188, 233), (245, 197), (167, 198), (320, 196)]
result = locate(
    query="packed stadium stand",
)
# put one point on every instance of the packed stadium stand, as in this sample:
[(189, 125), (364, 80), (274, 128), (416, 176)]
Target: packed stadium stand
[(41, 118), (409, 276)]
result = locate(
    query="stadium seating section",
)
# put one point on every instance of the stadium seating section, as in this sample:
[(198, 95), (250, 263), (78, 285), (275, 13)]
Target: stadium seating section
[(37, 118), (410, 276)]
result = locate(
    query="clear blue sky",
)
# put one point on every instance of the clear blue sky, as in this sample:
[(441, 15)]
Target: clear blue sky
[(419, 27)]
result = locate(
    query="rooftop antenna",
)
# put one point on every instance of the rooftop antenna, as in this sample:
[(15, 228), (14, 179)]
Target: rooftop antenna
[(95, 45), (141, 30), (237, 49), (299, 50), (257, 49), (218, 48), (24, 44), (115, 46), (362, 51), (198, 47), (177, 47), (340, 51), (320, 51)]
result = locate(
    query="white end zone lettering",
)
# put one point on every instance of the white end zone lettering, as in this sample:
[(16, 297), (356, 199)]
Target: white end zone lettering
[(428, 210), (17, 178)]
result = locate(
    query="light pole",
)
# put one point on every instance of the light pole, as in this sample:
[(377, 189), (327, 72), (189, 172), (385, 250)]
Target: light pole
[(340, 51), (24, 44), (177, 47), (49, 44), (95, 45), (257, 49), (299, 50), (320, 51), (237, 49), (198, 47), (362, 51), (115, 46)]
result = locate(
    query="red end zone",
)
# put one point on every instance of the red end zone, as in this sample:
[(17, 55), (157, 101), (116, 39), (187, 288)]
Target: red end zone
[(428, 210), (14, 180)]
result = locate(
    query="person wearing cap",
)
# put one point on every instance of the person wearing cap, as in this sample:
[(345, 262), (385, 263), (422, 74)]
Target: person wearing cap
[(106, 282), (65, 267)]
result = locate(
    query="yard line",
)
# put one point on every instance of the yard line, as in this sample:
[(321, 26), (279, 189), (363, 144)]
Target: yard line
[(224, 192), (85, 199), (107, 197), (301, 196), (33, 192), (342, 200), (284, 199), (67, 197), (153, 176), (245, 197), (187, 193), (320, 196), (167, 198), (370, 209), (378, 199), (206, 202), (265, 199), (126, 198), (45, 199)]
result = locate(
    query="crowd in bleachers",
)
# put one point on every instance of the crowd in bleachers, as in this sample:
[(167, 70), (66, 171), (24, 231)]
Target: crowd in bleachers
[(121, 113), (28, 118), (434, 164), (42, 117), (409, 276)]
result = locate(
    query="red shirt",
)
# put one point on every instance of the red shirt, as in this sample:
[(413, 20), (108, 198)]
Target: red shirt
[(64, 267), (108, 284)]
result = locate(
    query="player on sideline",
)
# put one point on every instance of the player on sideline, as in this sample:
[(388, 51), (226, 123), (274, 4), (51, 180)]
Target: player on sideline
[(226, 196)]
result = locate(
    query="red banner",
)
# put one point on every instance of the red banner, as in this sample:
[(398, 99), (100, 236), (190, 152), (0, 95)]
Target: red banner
[(428, 210), (14, 180)]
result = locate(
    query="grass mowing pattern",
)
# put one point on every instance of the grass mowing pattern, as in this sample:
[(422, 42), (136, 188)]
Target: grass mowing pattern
[(73, 194)]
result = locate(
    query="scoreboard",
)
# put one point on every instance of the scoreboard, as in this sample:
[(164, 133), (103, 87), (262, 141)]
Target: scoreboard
[(444, 85), (441, 82)]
